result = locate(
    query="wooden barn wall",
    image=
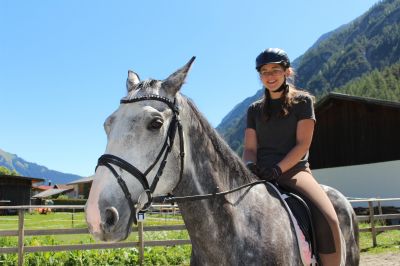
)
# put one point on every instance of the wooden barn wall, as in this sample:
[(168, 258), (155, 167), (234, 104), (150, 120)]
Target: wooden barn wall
[(351, 133), (16, 190)]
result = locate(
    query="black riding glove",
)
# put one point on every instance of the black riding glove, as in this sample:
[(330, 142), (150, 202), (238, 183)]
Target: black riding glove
[(253, 168), (271, 174)]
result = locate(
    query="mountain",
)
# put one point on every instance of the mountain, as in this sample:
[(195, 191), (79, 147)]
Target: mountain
[(24, 168), (233, 124), (323, 37), (380, 84), (368, 44)]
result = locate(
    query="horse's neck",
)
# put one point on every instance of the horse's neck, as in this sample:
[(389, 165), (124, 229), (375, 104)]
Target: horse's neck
[(210, 164), (221, 227)]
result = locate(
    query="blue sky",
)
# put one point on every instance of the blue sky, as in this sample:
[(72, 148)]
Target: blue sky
[(63, 64)]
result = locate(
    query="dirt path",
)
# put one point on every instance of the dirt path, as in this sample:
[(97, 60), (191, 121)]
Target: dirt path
[(387, 259)]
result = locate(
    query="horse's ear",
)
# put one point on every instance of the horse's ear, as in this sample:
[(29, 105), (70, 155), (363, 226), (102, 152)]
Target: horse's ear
[(174, 82), (132, 81)]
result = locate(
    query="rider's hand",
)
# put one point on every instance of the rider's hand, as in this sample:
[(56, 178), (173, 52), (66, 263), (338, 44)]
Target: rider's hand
[(270, 174)]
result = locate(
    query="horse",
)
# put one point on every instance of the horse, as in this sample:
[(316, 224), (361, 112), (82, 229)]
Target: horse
[(158, 143)]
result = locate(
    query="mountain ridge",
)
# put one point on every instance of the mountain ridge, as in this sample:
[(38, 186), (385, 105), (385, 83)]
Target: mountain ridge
[(30, 169)]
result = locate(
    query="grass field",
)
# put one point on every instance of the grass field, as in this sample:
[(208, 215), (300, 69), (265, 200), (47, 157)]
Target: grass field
[(178, 255), (388, 241)]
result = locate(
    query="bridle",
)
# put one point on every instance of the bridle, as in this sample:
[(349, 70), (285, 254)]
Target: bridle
[(108, 160)]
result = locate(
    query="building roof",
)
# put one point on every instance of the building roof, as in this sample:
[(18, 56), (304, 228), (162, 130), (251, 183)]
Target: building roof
[(63, 186), (33, 179), (42, 187), (50, 192), (347, 97), (88, 179)]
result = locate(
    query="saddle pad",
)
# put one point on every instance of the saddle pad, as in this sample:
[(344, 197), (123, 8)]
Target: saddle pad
[(301, 214), (301, 223)]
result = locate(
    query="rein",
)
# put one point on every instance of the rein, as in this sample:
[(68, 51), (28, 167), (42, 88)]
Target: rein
[(171, 198)]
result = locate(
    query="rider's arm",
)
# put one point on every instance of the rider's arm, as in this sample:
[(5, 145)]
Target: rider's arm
[(250, 146)]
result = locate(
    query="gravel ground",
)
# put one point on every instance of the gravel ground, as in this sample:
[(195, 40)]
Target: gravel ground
[(387, 259)]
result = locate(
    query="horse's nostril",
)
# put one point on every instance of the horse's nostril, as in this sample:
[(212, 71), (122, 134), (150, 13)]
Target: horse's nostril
[(111, 218)]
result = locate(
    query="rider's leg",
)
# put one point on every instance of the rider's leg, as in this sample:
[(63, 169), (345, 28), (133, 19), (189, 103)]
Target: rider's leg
[(325, 219)]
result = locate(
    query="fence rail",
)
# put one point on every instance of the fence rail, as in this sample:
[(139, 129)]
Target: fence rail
[(22, 232), (373, 219), (21, 249)]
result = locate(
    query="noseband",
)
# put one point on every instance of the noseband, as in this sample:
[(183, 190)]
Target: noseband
[(108, 160)]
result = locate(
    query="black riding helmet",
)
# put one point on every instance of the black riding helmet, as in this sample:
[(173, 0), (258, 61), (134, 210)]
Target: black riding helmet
[(272, 56)]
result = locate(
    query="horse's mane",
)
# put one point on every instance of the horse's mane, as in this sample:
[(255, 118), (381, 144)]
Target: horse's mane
[(227, 155)]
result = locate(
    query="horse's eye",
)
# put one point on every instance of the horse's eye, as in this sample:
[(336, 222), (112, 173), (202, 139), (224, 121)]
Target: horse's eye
[(155, 123)]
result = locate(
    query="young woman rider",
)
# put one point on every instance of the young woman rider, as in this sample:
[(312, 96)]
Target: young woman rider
[(277, 139)]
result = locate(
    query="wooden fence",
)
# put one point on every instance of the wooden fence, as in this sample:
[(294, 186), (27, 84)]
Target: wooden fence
[(22, 232), (375, 219)]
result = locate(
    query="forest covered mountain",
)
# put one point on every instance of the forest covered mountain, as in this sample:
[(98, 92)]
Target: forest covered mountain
[(369, 42), (360, 58), (24, 168)]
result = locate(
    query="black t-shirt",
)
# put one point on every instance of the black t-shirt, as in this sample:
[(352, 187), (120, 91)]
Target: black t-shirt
[(277, 136)]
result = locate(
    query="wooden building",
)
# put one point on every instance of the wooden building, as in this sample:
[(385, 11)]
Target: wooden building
[(16, 190), (356, 146), (82, 187), (354, 130)]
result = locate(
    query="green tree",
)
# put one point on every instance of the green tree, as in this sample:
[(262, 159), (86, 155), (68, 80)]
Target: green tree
[(378, 84), (6, 171)]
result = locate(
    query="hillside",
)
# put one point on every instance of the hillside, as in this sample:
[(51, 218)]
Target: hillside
[(369, 42), (338, 61), (24, 168), (233, 124), (381, 84)]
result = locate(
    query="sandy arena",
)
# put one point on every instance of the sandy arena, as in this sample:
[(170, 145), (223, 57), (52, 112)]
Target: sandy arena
[(387, 259)]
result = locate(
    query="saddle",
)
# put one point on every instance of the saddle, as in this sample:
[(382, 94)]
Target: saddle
[(301, 219)]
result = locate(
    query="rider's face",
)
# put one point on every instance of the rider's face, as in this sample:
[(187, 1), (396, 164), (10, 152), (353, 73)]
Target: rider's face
[(272, 76)]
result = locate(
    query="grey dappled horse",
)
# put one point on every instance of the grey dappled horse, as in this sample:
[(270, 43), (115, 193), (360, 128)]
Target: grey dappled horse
[(159, 143)]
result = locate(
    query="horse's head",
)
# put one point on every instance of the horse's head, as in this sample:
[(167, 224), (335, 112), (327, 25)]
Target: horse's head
[(140, 135)]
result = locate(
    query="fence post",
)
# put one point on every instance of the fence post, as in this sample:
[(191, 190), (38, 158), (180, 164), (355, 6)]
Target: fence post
[(372, 221), (141, 242), (73, 211), (380, 212), (21, 237)]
